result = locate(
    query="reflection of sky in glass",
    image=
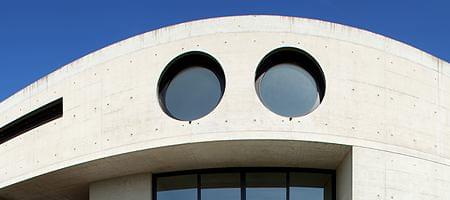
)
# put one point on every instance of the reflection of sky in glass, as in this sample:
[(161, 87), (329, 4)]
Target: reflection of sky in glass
[(221, 186), (193, 93), (221, 194), (266, 193), (288, 90), (183, 194), (306, 193), (266, 186), (259, 186)]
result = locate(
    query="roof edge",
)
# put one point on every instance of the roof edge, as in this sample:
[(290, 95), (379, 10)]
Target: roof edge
[(186, 29)]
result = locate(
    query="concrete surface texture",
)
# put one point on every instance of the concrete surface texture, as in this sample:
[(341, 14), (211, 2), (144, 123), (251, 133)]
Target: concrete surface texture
[(134, 187), (383, 125)]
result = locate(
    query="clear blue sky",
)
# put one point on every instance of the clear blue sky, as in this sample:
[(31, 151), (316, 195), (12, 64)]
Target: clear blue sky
[(39, 36)]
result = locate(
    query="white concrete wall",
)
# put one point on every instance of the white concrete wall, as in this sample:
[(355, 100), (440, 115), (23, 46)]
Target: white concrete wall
[(135, 187), (344, 178), (381, 95), (386, 175)]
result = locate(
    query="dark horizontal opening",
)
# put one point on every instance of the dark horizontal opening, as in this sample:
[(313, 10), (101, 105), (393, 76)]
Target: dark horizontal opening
[(245, 184), (36, 118)]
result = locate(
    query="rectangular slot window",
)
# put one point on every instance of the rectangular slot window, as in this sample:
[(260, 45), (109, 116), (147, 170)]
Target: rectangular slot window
[(36, 118)]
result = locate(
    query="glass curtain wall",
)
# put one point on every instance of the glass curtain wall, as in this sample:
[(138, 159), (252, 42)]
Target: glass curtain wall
[(246, 184)]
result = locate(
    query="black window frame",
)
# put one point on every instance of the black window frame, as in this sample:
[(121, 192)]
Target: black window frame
[(242, 171)]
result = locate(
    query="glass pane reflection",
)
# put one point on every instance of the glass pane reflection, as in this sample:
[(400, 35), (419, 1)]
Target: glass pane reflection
[(288, 90), (266, 186), (303, 193), (310, 186), (254, 185), (224, 186), (177, 188), (192, 93)]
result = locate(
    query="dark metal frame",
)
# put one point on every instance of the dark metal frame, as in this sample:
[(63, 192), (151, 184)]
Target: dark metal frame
[(243, 171)]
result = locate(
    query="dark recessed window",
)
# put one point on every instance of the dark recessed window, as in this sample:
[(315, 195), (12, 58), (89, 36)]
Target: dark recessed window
[(265, 186), (221, 186), (38, 117), (290, 82), (310, 186), (191, 86), (177, 187), (246, 184)]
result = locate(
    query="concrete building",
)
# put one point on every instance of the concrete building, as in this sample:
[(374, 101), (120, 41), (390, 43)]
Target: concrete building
[(234, 108)]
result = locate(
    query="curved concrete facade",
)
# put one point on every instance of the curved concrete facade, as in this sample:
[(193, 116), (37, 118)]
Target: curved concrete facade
[(383, 124)]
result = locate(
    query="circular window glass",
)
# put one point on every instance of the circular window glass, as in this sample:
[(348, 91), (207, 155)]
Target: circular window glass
[(191, 86), (289, 82)]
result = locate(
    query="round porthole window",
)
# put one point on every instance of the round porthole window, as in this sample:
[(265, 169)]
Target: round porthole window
[(290, 82), (191, 86)]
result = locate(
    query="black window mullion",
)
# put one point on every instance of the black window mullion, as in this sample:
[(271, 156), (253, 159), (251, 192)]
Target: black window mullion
[(199, 184), (333, 179), (243, 186), (154, 188), (287, 186)]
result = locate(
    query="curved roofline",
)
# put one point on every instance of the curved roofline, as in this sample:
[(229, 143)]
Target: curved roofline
[(162, 35)]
